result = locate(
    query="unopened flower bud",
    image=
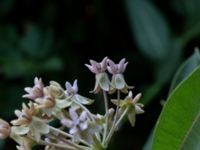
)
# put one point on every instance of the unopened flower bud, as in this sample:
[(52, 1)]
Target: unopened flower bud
[(4, 129)]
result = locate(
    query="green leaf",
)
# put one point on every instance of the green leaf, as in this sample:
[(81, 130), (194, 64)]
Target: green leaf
[(186, 68), (53, 63), (166, 69), (178, 127), (149, 28), (188, 9), (36, 42)]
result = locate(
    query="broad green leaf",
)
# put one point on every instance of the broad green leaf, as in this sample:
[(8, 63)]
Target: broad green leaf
[(36, 42), (189, 9), (186, 68), (53, 63), (149, 28), (164, 72), (166, 69), (178, 127)]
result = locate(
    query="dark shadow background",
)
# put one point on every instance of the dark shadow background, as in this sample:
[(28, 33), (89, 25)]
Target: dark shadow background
[(54, 39)]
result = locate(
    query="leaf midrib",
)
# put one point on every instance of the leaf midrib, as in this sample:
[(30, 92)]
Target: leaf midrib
[(189, 131)]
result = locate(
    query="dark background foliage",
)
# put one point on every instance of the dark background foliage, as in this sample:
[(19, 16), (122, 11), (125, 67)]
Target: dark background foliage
[(54, 39)]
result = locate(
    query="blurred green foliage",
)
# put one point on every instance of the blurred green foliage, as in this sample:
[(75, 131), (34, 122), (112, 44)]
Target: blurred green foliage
[(53, 39)]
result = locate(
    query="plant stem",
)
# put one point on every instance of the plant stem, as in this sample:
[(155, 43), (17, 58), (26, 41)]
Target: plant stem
[(84, 108), (116, 125), (112, 130), (89, 114), (67, 135), (77, 146), (121, 117), (106, 114), (61, 132), (58, 145)]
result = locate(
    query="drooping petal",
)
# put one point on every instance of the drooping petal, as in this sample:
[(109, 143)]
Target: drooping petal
[(138, 109), (131, 116)]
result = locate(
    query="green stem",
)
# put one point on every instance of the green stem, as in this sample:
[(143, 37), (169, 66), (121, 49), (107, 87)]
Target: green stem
[(84, 108), (117, 124), (58, 145), (60, 132), (106, 114), (89, 114), (112, 130), (66, 134), (121, 117)]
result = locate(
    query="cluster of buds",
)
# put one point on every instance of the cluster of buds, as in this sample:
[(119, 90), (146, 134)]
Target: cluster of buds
[(75, 126)]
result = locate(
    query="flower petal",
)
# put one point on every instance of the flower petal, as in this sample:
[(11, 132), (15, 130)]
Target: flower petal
[(83, 116), (73, 114), (66, 122), (73, 130), (20, 130)]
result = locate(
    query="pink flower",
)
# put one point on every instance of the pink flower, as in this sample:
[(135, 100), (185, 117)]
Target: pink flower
[(117, 68), (96, 67), (4, 129), (36, 91), (71, 89), (76, 123)]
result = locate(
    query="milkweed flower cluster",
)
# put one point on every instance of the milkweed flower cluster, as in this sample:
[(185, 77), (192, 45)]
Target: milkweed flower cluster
[(75, 126)]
